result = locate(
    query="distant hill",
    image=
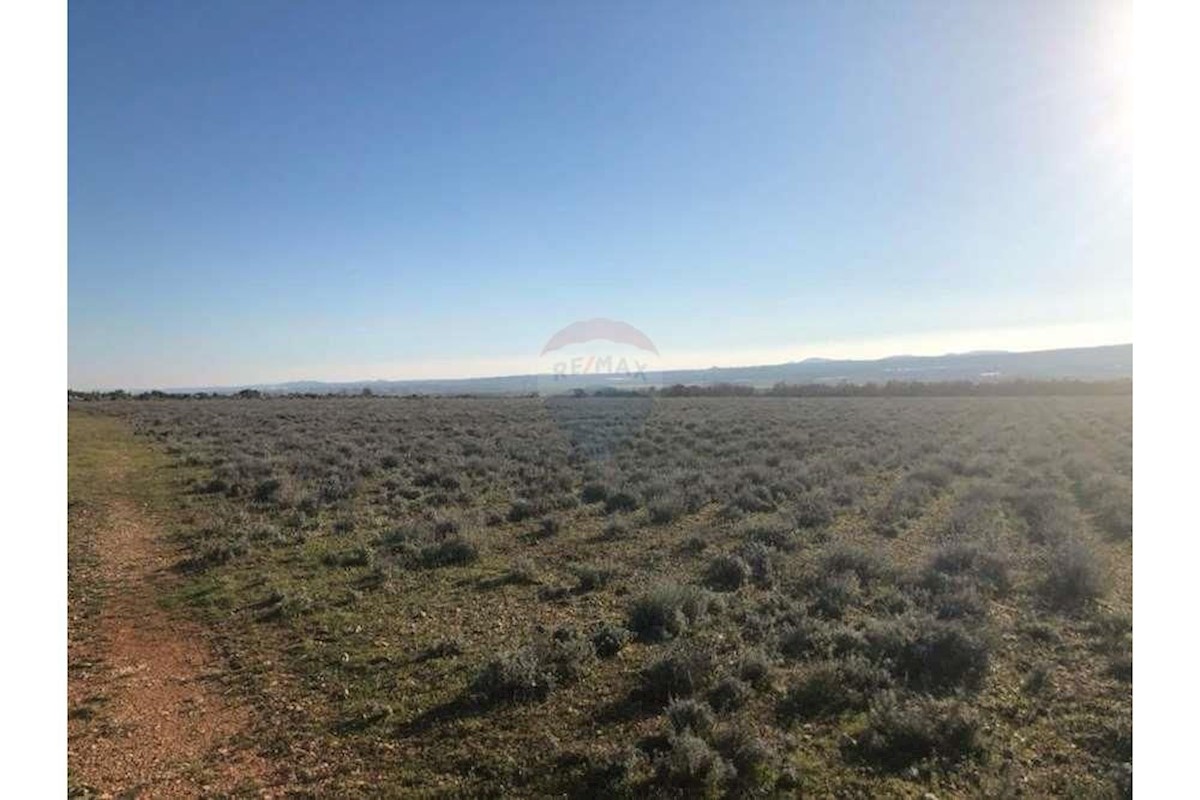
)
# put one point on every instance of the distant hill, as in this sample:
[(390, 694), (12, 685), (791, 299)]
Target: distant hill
[(1078, 363)]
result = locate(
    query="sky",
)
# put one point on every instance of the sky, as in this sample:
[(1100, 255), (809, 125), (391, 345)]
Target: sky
[(264, 191)]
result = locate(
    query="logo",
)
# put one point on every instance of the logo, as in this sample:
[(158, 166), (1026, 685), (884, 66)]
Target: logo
[(598, 379)]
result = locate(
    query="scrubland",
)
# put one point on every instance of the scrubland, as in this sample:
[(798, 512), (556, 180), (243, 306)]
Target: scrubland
[(747, 596)]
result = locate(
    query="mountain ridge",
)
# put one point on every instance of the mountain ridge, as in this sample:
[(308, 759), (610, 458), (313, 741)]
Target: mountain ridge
[(1104, 362)]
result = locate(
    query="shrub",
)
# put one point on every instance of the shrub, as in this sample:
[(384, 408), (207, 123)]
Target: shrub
[(592, 576), (281, 605), (812, 509), (521, 510), (755, 669), (804, 637), (453, 550), (593, 492), (866, 565), (609, 640), (569, 654), (443, 648), (266, 490), (833, 594), (666, 508), (752, 758), (1114, 515), (1047, 514), (518, 676), (361, 556), (1075, 576), (1111, 500), (691, 716), (960, 602), (977, 515), (903, 730), (620, 501), (833, 687), (668, 610), (522, 570), (729, 694), (683, 672), (761, 561), (1037, 680), (726, 573), (615, 530), (548, 526), (969, 558), (775, 533), (214, 554), (930, 654), (691, 767), (534, 671)]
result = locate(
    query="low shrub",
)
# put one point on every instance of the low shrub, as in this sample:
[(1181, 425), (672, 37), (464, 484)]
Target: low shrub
[(684, 672), (443, 648), (753, 760), (1049, 515), (1075, 576), (361, 556), (755, 669), (266, 490), (517, 676), (930, 654), (534, 671), (812, 509), (615, 530), (902, 730), (726, 573), (620, 501), (668, 610), (609, 640), (970, 558), (729, 694), (522, 570), (688, 715), (761, 560), (804, 637), (666, 508), (593, 492), (521, 510), (833, 594), (772, 532), (866, 565), (828, 688), (453, 550), (691, 768), (590, 577)]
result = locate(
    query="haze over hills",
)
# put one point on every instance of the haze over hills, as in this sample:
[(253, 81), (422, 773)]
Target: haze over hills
[(1078, 363)]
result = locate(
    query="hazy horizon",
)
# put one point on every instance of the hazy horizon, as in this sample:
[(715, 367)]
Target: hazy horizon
[(277, 191), (527, 366)]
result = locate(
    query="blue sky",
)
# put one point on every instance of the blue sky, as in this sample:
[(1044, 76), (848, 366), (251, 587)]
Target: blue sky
[(265, 191)]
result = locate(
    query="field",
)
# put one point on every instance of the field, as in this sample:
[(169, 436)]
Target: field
[(757, 596)]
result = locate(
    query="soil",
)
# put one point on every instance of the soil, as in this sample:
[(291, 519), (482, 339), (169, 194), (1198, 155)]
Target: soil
[(148, 717)]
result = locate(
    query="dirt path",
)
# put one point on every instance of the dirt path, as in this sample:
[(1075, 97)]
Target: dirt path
[(147, 717)]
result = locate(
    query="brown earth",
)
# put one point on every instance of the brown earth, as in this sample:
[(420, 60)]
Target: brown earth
[(148, 716)]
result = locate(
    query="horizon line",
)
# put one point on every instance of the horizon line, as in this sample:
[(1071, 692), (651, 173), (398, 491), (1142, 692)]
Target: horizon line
[(363, 381)]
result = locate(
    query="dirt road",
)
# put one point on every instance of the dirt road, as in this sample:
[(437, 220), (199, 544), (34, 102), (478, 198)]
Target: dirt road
[(148, 717)]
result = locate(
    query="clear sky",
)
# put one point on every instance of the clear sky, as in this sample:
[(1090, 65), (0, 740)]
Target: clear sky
[(264, 191)]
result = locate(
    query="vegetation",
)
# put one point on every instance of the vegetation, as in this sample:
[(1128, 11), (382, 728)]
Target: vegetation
[(749, 595)]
